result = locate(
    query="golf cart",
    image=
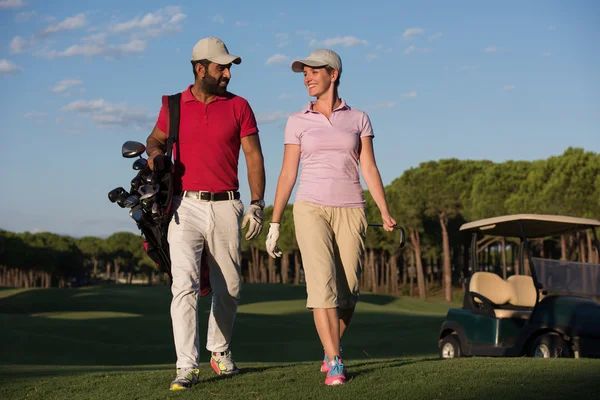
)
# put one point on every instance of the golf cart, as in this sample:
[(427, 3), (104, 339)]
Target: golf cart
[(546, 308)]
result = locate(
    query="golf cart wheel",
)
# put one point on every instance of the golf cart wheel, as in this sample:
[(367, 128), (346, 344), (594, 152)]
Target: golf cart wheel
[(550, 345), (450, 347)]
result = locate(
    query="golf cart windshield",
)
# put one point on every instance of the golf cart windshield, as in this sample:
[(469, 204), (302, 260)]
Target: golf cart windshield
[(568, 277)]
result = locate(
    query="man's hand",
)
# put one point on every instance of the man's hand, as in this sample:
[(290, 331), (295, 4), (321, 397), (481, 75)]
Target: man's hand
[(156, 161), (271, 242), (255, 217)]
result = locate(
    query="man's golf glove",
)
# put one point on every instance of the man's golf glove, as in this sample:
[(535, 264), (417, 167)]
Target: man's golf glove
[(254, 216), (271, 242)]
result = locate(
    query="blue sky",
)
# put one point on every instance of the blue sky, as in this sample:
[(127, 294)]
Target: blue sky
[(470, 79)]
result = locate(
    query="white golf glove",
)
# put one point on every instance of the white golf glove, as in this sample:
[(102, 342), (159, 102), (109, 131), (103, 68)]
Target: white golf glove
[(271, 243), (255, 217)]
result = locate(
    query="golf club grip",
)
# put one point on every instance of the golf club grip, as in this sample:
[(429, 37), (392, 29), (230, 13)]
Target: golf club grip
[(402, 233)]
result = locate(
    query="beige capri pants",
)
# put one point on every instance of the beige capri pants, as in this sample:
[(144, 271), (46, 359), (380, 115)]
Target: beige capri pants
[(332, 244)]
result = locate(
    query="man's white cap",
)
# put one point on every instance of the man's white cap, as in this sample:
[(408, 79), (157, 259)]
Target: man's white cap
[(213, 49), (319, 58)]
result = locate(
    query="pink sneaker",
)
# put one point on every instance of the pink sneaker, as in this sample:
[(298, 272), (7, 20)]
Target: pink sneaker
[(337, 373), (325, 363)]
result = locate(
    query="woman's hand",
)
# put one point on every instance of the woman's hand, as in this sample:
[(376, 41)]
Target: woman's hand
[(389, 223)]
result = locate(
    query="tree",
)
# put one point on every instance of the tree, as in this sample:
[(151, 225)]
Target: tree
[(444, 186)]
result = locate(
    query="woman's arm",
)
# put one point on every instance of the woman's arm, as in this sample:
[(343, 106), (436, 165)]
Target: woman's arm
[(372, 178), (287, 180)]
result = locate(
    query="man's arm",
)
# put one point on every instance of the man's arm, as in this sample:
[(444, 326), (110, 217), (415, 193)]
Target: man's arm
[(256, 166), (156, 144)]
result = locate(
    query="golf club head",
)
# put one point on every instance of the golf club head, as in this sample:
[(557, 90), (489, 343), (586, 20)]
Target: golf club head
[(147, 191), (131, 201), (132, 149), (113, 195), (122, 198), (139, 164), (136, 212), (155, 210), (150, 178), (402, 233)]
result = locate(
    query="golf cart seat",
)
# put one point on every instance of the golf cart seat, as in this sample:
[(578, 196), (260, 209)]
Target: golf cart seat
[(513, 298)]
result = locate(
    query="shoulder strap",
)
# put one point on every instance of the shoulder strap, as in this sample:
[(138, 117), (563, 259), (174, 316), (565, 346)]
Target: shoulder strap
[(174, 106)]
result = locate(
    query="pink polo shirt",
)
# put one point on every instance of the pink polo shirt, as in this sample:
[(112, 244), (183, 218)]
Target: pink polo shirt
[(330, 150)]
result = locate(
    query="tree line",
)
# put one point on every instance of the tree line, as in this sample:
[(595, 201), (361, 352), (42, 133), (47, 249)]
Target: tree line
[(431, 201)]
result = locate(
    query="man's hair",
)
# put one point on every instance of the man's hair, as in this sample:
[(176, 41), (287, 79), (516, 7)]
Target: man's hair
[(205, 63), (337, 81)]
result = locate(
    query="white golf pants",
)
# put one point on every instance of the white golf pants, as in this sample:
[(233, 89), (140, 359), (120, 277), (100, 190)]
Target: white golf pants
[(200, 226)]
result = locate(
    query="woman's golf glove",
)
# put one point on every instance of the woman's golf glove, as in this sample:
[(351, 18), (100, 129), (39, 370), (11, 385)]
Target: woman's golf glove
[(271, 242), (254, 216)]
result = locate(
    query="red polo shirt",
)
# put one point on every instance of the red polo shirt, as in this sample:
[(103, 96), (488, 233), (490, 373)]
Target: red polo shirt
[(209, 141)]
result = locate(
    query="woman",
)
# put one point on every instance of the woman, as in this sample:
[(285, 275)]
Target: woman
[(329, 212)]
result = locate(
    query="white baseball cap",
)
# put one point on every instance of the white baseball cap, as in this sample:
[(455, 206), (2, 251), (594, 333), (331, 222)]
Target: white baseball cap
[(213, 49), (319, 58)]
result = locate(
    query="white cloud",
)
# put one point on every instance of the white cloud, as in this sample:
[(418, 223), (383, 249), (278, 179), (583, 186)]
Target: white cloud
[(491, 49), (8, 67), (411, 33), (19, 45), (91, 49), (267, 118), (70, 23), (371, 56), (162, 22), (11, 4), (283, 39), (35, 114), (177, 18), (410, 95), (240, 23), (547, 54), (277, 59), (146, 21), (509, 87), (24, 16), (381, 47), (306, 33), (218, 19), (436, 36), (105, 114), (346, 41), (285, 96), (65, 84), (414, 49), (389, 104)]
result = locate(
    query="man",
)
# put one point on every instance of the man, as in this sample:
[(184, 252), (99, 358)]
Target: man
[(207, 211)]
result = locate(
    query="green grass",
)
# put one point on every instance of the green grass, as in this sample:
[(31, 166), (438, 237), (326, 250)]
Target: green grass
[(115, 342)]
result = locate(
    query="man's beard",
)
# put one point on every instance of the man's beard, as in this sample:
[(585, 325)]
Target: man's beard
[(212, 85)]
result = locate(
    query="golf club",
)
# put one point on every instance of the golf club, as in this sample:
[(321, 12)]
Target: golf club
[(139, 164), (136, 212), (402, 233), (122, 198), (132, 149), (147, 191), (113, 195), (131, 201)]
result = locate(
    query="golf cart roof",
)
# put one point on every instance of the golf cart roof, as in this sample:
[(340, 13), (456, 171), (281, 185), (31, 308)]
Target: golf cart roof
[(534, 225)]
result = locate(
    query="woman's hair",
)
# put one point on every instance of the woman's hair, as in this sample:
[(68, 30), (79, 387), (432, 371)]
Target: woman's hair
[(337, 81)]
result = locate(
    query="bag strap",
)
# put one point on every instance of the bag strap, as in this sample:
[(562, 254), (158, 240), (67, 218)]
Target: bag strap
[(174, 102)]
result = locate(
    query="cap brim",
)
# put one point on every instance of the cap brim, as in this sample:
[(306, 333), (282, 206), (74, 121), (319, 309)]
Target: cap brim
[(298, 65), (226, 59)]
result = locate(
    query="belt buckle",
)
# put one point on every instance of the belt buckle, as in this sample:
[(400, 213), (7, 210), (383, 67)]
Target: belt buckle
[(206, 196)]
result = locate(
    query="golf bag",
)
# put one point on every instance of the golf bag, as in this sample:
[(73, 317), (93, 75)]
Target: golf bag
[(154, 230)]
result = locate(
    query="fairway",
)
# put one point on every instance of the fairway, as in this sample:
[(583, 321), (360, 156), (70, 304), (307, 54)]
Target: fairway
[(115, 342)]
